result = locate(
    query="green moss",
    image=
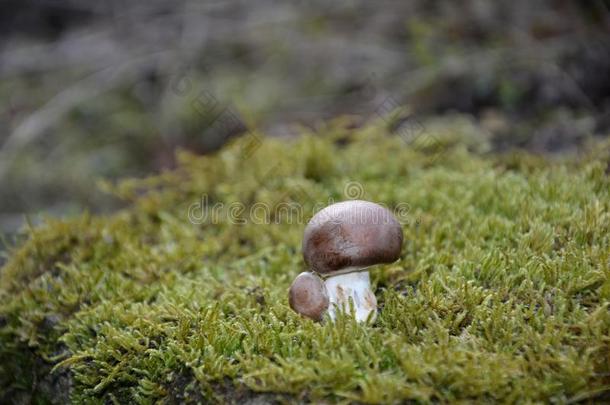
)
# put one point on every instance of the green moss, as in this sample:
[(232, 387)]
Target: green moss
[(502, 291)]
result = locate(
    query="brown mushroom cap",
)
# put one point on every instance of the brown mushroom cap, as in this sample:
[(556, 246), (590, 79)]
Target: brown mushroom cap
[(308, 297), (351, 234)]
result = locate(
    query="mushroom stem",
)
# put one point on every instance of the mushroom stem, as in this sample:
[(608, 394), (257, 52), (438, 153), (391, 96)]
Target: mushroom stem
[(355, 285)]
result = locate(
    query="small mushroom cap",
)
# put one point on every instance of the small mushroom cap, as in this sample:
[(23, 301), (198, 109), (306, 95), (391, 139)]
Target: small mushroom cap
[(308, 297), (351, 234)]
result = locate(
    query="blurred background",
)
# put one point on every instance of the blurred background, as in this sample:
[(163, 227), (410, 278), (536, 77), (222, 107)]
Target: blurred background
[(109, 89)]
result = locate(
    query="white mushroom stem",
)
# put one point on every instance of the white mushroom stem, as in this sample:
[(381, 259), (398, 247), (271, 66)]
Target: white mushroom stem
[(355, 285)]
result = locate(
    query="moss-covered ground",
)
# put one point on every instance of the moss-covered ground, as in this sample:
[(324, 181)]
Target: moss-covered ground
[(501, 294)]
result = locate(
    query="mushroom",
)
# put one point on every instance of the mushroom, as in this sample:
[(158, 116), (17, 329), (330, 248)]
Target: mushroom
[(308, 296), (340, 243)]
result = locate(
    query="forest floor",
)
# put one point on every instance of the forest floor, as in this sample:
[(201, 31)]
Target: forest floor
[(501, 292)]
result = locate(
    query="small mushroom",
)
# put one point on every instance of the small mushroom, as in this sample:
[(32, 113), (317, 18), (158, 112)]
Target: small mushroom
[(341, 242), (308, 297)]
